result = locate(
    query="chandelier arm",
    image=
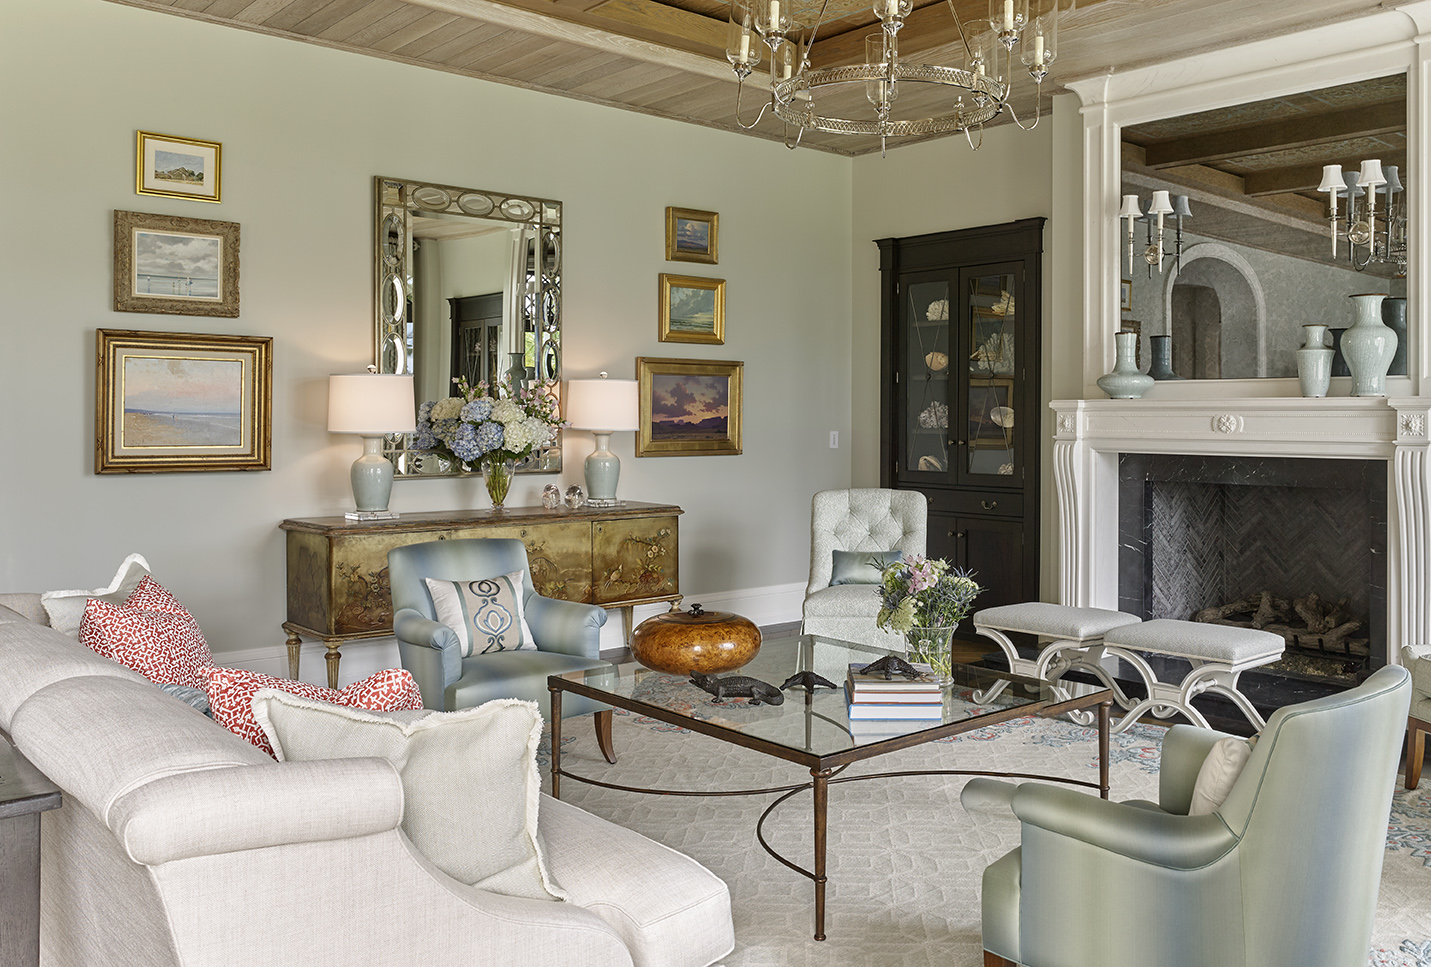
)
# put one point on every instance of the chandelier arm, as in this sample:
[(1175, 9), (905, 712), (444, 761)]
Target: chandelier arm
[(1038, 110), (819, 22), (740, 87), (798, 135)]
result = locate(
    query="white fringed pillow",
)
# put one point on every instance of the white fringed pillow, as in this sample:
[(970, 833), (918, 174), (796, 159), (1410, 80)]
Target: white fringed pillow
[(1224, 763), (65, 609), (469, 778)]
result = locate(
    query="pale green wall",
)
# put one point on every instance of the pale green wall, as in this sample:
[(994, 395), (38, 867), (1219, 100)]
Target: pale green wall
[(304, 131)]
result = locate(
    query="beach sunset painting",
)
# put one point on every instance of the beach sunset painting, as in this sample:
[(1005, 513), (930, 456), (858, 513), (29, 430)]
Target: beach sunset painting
[(686, 407), (177, 401), (175, 265)]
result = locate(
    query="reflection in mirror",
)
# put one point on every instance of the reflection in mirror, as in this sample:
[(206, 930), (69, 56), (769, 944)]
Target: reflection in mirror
[(1248, 258), (467, 284)]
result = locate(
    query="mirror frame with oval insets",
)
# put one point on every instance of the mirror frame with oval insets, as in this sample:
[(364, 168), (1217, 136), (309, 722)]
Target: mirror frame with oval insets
[(397, 203)]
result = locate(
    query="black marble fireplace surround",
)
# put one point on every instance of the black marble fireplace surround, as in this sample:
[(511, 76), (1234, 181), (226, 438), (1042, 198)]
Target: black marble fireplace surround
[(1201, 531)]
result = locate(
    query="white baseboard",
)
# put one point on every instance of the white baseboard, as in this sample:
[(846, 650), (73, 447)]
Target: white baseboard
[(773, 605)]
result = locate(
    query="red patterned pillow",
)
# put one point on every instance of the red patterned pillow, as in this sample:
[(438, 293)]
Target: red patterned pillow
[(152, 633), (231, 691)]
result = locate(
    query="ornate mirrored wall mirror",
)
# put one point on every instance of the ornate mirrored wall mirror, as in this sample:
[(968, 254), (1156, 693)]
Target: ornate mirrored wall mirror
[(1249, 254), (467, 284)]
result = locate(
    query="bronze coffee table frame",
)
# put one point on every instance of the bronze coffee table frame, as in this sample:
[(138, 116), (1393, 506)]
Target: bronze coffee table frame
[(825, 769)]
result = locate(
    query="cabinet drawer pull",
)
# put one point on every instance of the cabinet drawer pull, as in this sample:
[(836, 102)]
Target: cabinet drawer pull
[(951, 533), (988, 505)]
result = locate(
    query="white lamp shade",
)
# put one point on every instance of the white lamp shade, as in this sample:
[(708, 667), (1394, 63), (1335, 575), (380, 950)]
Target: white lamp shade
[(607, 405), (1131, 209), (1371, 175), (1332, 179), (1162, 204), (371, 404)]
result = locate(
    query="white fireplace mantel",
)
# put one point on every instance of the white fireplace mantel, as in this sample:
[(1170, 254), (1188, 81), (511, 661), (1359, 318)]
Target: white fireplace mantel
[(1090, 434)]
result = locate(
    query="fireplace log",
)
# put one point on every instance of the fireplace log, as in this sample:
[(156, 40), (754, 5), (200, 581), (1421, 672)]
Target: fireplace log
[(1311, 610)]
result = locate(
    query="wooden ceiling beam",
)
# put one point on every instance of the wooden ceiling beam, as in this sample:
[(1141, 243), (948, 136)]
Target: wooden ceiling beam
[(1358, 122), (1304, 177), (670, 21)]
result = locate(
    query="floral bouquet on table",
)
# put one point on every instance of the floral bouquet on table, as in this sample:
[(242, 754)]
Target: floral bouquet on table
[(491, 425), (925, 600)]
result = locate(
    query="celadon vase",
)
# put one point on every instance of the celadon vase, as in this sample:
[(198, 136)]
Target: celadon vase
[(1314, 362), (1125, 382), (1368, 346)]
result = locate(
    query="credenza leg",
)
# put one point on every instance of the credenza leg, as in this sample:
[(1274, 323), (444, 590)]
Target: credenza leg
[(294, 644), (628, 617), (332, 658)]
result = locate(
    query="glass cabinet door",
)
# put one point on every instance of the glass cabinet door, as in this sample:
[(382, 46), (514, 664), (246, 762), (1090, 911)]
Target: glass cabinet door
[(989, 447), (925, 390)]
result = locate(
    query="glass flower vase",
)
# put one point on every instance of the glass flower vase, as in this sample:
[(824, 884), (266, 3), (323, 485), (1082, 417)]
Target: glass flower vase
[(931, 646), (497, 472)]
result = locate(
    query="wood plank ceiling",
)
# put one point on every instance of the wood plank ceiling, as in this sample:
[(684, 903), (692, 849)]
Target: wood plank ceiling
[(667, 57)]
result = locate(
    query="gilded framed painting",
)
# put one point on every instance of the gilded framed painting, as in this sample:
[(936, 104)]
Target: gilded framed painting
[(175, 167), (180, 266), (177, 401), (689, 407), (692, 309), (692, 236)]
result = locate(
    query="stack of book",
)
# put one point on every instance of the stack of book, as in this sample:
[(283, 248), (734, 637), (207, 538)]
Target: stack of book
[(894, 705)]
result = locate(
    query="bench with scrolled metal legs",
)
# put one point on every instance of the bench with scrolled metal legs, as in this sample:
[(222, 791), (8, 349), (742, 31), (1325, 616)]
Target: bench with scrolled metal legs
[(1078, 639), (1062, 632)]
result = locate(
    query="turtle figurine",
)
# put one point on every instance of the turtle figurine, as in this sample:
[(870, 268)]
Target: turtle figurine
[(738, 686), (808, 681), (891, 665)]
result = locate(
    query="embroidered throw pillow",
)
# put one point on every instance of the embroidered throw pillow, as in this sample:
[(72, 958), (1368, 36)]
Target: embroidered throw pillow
[(151, 633), (231, 690), (1224, 763), (486, 614), (65, 609), (469, 778)]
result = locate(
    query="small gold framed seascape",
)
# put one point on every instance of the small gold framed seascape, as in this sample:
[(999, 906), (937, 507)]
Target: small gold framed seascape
[(692, 236), (177, 401), (180, 266), (688, 407), (692, 309)]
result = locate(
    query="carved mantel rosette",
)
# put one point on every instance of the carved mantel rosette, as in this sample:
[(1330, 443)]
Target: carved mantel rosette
[(1090, 434)]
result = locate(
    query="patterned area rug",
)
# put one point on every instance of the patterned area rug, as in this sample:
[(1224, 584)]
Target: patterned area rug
[(905, 858)]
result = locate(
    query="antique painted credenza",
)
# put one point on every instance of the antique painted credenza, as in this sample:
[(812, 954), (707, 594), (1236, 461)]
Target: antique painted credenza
[(615, 557)]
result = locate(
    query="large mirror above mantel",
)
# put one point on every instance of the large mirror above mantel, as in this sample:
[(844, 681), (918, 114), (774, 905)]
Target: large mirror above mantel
[(1250, 259), (467, 283)]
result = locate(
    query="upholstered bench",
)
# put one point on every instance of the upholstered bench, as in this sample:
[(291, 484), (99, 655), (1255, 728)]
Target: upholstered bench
[(1065, 636), (1218, 653)]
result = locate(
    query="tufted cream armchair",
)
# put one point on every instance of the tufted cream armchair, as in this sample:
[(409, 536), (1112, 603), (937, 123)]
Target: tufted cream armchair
[(1417, 659), (857, 520)]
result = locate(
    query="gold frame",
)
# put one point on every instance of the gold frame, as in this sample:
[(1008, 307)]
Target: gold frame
[(648, 367), (716, 337), (215, 146), (1125, 295), (253, 452), (126, 299), (711, 256)]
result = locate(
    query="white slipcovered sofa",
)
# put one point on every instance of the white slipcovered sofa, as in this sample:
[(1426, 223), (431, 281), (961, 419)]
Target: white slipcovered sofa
[(181, 844)]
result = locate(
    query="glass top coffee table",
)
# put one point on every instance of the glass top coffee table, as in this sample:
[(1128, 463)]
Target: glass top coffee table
[(813, 729)]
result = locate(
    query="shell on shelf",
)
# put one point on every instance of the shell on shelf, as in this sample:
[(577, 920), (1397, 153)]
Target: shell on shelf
[(930, 462), (934, 416), (937, 361), (1002, 416), (938, 310)]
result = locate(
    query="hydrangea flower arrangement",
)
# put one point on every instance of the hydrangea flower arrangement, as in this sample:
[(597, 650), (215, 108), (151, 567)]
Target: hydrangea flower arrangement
[(920, 593), (490, 425)]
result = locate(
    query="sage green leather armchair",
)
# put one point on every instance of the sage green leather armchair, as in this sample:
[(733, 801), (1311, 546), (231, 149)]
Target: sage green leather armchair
[(567, 634), (1284, 874)]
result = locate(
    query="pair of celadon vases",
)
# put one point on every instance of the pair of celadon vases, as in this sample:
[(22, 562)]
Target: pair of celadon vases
[(1369, 346)]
